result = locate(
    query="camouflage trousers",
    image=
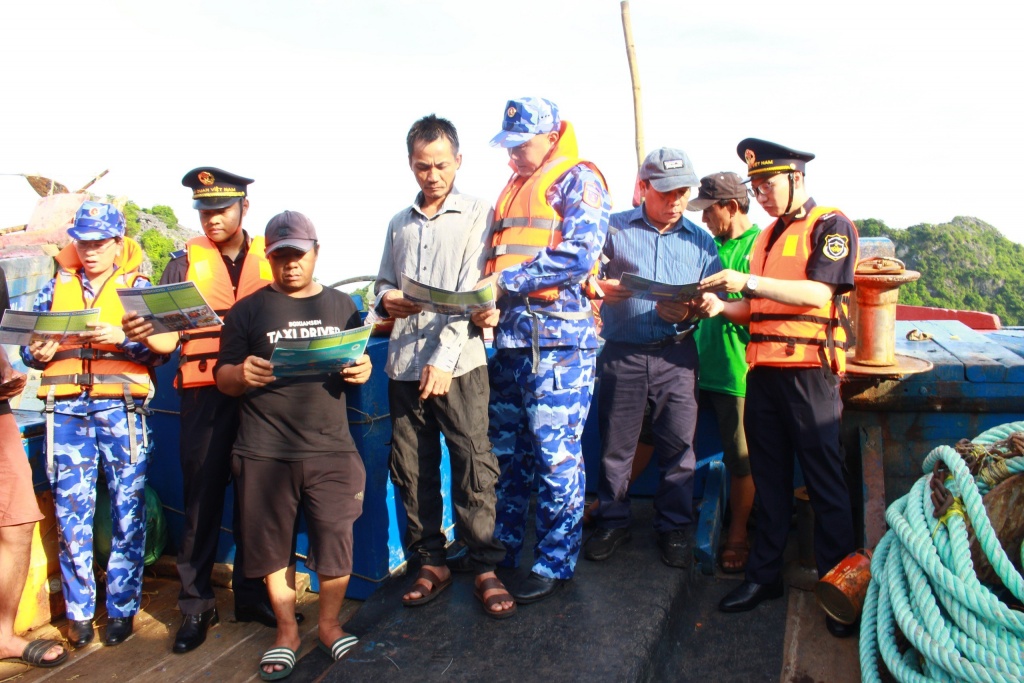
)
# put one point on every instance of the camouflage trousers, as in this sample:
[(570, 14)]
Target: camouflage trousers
[(81, 445), (536, 429)]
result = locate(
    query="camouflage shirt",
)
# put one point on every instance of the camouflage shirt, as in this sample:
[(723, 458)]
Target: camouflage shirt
[(584, 227)]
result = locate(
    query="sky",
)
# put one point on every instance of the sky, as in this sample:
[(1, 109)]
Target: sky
[(911, 108)]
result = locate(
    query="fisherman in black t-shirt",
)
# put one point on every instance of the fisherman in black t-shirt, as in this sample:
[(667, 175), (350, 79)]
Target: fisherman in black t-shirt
[(293, 446)]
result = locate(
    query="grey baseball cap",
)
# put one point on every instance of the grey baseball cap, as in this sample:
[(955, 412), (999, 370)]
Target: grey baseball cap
[(668, 169)]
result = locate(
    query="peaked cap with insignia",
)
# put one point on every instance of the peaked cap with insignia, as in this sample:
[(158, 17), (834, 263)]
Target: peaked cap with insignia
[(768, 158), (213, 188)]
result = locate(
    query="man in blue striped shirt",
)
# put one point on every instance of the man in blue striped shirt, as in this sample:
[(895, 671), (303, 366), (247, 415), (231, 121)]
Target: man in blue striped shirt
[(650, 357)]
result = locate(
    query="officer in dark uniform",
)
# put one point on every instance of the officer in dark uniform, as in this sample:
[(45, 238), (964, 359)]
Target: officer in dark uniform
[(800, 269), (226, 264)]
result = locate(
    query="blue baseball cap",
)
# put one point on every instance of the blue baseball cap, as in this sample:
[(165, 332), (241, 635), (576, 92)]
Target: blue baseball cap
[(97, 221), (524, 118)]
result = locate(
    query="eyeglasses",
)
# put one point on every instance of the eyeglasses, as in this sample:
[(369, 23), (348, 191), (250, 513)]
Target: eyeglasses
[(762, 189), (95, 246)]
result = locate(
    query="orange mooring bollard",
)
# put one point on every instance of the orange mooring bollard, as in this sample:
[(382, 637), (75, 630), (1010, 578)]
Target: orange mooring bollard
[(842, 591)]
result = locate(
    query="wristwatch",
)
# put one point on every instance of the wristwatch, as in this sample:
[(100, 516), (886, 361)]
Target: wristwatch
[(751, 286)]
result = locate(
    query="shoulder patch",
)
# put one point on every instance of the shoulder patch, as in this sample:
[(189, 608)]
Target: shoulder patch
[(836, 247), (592, 194), (178, 254)]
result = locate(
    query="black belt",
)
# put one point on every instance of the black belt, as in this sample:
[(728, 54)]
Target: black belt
[(662, 343)]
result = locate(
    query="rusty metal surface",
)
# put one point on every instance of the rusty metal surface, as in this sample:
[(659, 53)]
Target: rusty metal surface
[(1003, 505), (841, 592), (873, 483), (896, 367)]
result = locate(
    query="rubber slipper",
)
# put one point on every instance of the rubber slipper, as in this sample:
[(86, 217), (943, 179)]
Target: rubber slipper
[(339, 647), (490, 584), (282, 656), (35, 651), (734, 558), (428, 586)]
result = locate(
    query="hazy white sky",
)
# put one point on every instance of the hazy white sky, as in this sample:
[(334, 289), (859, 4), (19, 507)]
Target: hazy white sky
[(910, 107)]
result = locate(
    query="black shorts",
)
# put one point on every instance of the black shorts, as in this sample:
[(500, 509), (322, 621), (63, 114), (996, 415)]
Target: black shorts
[(330, 490)]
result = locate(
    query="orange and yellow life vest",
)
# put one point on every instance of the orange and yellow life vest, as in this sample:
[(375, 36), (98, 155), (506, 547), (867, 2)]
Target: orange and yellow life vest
[(206, 268), (525, 223), (101, 369), (794, 336)]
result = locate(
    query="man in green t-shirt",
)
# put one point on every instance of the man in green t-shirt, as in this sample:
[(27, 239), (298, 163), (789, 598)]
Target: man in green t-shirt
[(722, 347)]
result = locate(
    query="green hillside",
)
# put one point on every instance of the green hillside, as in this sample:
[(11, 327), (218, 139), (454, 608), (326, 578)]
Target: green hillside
[(965, 264)]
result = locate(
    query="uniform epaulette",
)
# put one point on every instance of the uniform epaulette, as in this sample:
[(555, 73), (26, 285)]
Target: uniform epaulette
[(178, 254)]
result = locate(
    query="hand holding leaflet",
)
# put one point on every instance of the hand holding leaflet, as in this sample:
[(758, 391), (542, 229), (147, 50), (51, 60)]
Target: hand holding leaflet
[(447, 302), (651, 290), (171, 308), (21, 328), (319, 355)]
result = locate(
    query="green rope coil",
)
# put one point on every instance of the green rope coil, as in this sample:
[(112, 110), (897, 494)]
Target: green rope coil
[(923, 583)]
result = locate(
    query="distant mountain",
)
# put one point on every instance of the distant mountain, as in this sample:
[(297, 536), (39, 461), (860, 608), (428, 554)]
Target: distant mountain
[(965, 264)]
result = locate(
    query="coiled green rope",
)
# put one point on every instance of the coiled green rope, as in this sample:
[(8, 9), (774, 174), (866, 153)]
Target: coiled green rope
[(953, 627)]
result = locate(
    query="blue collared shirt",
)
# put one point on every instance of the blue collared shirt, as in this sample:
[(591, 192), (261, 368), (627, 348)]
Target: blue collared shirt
[(682, 254)]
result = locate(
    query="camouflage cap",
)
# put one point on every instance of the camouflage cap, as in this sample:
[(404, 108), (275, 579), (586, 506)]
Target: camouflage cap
[(97, 221), (524, 118)]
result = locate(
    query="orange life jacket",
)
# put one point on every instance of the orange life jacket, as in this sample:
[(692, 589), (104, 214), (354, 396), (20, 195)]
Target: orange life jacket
[(797, 336), (101, 369), (525, 223), (207, 270)]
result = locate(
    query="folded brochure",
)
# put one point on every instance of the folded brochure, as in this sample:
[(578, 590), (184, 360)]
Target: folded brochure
[(319, 355), (445, 301), (651, 290), (24, 327), (171, 308)]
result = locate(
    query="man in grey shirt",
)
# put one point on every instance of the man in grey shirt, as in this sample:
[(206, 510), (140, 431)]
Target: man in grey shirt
[(437, 367)]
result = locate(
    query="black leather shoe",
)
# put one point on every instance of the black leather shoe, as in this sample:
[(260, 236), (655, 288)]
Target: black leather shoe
[(192, 632), (535, 588), (841, 630), (676, 548), (749, 595), (80, 633), (603, 543), (261, 612), (118, 628)]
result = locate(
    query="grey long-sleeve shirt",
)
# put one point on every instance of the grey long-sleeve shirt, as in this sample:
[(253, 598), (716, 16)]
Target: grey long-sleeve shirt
[(447, 251)]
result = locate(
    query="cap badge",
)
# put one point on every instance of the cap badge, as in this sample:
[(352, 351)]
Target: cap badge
[(750, 158), (674, 163), (836, 247), (206, 178), (94, 211), (511, 112)]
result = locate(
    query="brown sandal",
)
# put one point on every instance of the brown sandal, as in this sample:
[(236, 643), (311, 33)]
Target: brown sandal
[(490, 584), (734, 557), (428, 585)]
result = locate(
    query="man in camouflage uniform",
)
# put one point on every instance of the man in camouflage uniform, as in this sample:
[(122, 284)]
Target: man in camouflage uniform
[(93, 420), (550, 223)]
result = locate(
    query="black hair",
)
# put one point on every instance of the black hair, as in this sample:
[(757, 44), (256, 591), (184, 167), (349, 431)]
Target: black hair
[(743, 202), (430, 128)]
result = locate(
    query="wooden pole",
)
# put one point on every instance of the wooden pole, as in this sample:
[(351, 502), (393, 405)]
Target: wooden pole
[(634, 74)]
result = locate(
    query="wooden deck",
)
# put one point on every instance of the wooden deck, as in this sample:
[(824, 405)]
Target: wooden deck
[(231, 651)]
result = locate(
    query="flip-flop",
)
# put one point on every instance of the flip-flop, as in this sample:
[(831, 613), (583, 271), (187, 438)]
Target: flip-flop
[(277, 655), (428, 586), (339, 647), (490, 584), (737, 554), (35, 651)]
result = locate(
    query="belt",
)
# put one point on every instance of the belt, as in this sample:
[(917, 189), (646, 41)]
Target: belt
[(662, 343)]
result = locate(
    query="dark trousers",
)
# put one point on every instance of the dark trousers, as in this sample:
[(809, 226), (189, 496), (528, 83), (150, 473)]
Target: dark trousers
[(796, 411), (631, 378), (461, 415), (209, 423)]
